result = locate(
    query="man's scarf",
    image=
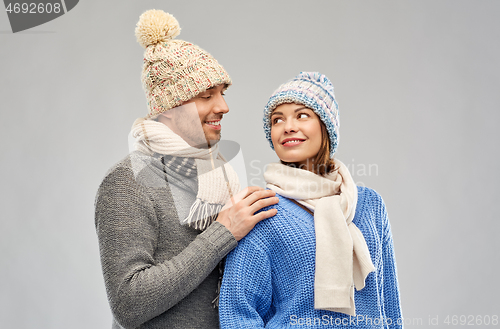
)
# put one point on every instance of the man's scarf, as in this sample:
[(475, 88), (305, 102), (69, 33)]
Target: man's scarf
[(217, 180)]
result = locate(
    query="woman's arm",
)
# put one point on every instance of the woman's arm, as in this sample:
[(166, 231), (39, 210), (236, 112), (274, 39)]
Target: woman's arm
[(390, 289), (246, 292)]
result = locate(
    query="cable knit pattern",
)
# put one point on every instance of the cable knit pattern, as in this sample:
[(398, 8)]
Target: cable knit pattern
[(269, 278)]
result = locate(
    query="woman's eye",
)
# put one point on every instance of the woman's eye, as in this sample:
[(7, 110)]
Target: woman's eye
[(277, 120), (303, 115)]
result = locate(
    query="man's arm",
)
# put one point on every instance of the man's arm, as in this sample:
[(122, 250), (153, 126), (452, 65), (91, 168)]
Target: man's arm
[(139, 288)]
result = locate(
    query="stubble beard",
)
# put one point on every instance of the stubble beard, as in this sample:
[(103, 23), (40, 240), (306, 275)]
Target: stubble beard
[(194, 130)]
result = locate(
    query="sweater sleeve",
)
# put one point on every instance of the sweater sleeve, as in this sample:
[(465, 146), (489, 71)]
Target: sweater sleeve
[(390, 289), (246, 292), (138, 287)]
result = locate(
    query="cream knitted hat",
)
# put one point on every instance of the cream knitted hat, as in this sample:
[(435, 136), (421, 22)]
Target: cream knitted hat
[(174, 71)]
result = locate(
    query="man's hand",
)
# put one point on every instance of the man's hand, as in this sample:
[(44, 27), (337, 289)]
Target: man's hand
[(238, 215)]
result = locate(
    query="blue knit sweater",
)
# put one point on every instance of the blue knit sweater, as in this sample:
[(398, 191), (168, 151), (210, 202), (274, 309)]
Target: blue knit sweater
[(269, 278)]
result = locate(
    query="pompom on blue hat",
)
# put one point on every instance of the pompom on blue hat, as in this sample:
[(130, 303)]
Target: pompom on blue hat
[(313, 90)]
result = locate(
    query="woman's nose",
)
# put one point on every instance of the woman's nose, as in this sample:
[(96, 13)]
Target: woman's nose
[(290, 126)]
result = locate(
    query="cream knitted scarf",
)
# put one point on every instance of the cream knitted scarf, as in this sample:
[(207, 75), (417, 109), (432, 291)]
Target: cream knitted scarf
[(342, 256), (217, 181)]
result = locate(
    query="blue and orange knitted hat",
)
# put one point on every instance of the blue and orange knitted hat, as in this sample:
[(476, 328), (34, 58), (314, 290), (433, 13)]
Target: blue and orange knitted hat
[(313, 90)]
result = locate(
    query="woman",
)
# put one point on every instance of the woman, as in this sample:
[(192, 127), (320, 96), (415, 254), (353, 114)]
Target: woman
[(326, 259)]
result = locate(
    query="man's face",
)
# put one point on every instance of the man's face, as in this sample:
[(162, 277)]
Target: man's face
[(198, 120)]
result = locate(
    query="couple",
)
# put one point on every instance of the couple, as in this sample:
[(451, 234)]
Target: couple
[(312, 250)]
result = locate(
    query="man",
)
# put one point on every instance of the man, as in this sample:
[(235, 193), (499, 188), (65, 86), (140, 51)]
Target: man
[(168, 213)]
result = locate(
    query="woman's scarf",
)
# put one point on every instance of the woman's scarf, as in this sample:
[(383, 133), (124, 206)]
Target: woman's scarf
[(217, 180), (342, 256)]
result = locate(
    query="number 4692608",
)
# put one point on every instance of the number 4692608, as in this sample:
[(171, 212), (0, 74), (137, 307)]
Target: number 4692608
[(471, 320), (33, 8)]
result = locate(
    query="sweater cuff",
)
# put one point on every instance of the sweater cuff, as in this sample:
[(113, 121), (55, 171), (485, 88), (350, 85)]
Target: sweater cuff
[(221, 238)]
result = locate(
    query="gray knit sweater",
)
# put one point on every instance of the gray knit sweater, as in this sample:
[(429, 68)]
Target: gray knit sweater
[(158, 273)]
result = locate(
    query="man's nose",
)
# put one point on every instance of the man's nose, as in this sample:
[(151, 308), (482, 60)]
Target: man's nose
[(220, 105)]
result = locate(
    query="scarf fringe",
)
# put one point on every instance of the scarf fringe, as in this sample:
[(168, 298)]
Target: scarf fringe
[(202, 214)]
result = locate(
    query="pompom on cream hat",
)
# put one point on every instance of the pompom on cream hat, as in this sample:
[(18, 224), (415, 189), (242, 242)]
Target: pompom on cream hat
[(174, 70)]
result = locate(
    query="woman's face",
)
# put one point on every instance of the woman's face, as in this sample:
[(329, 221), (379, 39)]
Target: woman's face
[(296, 134)]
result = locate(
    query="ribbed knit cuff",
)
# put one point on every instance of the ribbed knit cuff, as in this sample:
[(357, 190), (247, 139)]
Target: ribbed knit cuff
[(220, 237)]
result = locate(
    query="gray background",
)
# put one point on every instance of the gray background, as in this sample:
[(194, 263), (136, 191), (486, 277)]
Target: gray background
[(417, 83)]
